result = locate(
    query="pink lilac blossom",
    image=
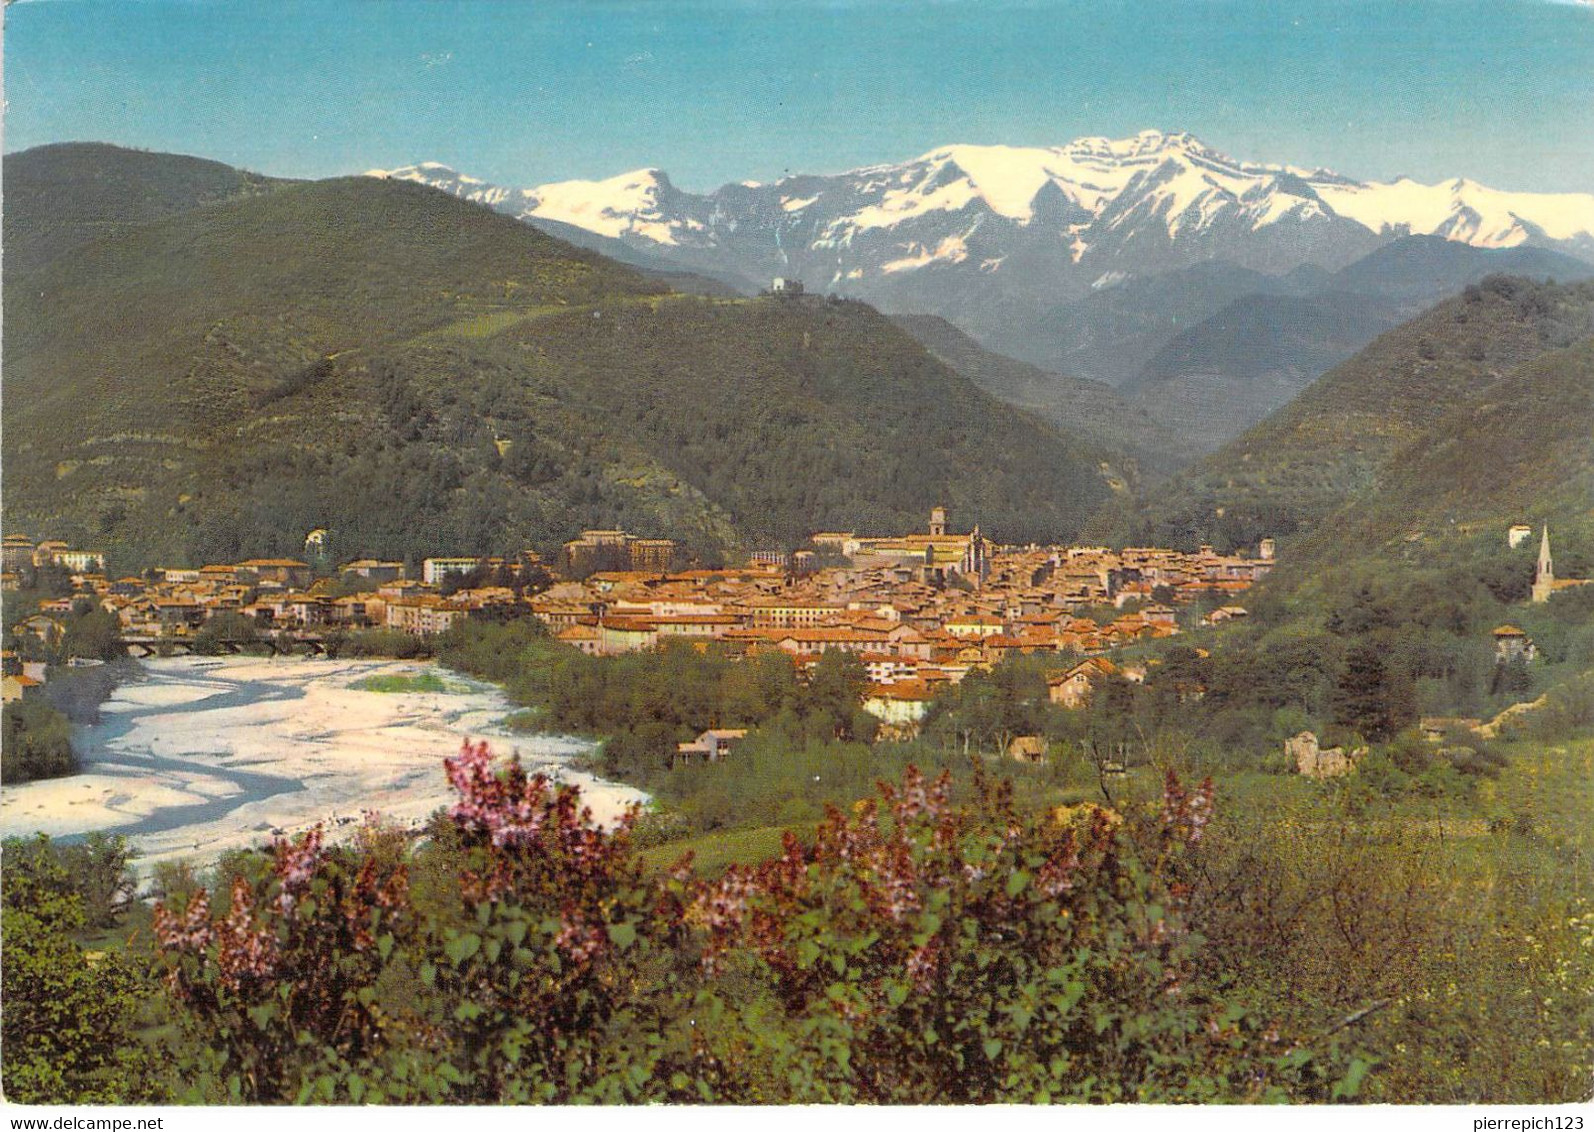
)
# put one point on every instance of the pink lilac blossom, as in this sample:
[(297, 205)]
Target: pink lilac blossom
[(580, 940), (245, 950), (923, 965), (1056, 876), (189, 931), (296, 864)]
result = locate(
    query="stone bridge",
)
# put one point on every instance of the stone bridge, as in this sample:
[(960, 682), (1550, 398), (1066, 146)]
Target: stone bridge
[(147, 644)]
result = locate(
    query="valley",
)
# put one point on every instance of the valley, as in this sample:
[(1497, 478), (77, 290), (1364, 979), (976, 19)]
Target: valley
[(1104, 623)]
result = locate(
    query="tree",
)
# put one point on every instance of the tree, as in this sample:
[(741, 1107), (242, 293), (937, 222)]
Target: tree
[(1508, 575), (759, 688), (224, 628), (987, 709), (35, 742), (1364, 611), (95, 634), (835, 689), (1511, 678), (969, 711), (1368, 698)]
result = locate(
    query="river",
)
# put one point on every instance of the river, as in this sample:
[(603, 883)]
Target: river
[(193, 757)]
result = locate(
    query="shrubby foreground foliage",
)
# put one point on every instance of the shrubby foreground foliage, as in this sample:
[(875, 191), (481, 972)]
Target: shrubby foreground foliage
[(930, 945), (67, 1019), (917, 951)]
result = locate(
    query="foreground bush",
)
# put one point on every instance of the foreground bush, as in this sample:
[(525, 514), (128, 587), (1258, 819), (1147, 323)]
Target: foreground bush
[(69, 1015), (921, 952), (918, 951)]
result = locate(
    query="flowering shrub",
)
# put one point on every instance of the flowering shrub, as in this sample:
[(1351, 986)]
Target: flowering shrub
[(551, 969), (917, 951), (286, 975), (933, 954)]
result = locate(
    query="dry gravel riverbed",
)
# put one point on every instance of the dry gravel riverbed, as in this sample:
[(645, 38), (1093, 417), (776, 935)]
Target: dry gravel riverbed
[(197, 756)]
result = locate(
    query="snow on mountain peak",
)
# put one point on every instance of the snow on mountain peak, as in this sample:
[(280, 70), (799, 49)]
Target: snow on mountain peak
[(1007, 178), (626, 205), (422, 171), (1090, 195), (1089, 172)]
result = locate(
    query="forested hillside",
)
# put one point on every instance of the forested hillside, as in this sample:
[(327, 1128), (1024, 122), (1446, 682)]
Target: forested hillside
[(1462, 369), (61, 196), (1252, 357), (1391, 485), (1091, 409), (420, 375)]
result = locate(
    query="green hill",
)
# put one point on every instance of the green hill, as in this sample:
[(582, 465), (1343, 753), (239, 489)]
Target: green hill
[(1392, 484), (1521, 451), (1211, 349), (420, 375), (1291, 474), (1089, 408), (61, 196), (1231, 370)]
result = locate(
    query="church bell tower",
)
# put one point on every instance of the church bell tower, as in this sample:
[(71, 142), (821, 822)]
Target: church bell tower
[(1544, 576)]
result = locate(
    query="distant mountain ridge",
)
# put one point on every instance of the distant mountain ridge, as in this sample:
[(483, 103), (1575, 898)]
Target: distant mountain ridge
[(1076, 214), (1085, 407), (1257, 352), (1098, 259), (1252, 357)]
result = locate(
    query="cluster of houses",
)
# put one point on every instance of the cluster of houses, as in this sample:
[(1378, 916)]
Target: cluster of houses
[(278, 594), (20, 679), (920, 610), (617, 550), (19, 554)]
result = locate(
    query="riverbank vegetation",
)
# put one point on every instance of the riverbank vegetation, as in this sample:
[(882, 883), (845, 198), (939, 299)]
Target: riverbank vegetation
[(36, 731), (36, 743), (1223, 710), (398, 684)]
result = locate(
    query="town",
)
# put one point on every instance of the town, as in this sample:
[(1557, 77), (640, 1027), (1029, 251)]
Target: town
[(919, 610)]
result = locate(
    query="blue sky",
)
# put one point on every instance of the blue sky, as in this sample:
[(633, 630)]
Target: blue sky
[(523, 93)]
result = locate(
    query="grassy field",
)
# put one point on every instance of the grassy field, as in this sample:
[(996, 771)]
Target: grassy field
[(489, 323), (712, 852)]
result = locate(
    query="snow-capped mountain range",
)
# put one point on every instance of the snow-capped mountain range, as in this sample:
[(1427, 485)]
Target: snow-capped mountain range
[(920, 234)]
